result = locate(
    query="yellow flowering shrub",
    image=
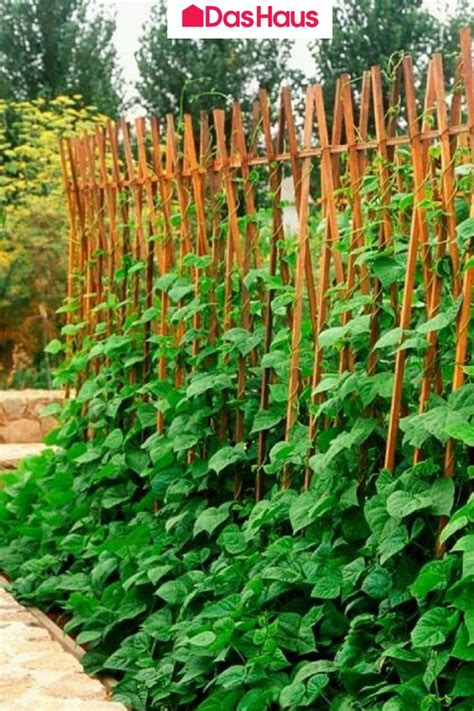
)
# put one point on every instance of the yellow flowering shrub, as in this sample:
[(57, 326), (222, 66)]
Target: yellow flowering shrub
[(33, 225)]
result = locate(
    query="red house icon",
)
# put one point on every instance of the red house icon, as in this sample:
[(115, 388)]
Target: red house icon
[(193, 16)]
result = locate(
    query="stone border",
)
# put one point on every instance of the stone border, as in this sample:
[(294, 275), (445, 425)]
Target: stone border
[(21, 415), (40, 667)]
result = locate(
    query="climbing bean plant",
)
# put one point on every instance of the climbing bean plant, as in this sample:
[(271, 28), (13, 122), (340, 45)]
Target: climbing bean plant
[(352, 592)]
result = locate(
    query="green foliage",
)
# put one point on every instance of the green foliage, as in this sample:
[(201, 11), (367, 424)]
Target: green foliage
[(54, 47), (328, 598), (33, 220)]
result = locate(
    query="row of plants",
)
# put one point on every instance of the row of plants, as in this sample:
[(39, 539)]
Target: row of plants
[(326, 598)]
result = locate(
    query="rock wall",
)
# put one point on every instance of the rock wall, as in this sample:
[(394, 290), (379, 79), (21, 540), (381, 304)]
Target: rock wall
[(21, 419)]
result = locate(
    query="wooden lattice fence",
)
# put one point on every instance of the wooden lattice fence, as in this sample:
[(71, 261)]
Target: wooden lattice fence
[(379, 192)]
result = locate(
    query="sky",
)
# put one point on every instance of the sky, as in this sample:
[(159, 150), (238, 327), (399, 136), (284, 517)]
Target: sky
[(131, 15)]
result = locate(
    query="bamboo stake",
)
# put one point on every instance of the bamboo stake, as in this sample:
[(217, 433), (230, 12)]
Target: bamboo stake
[(140, 131), (357, 228), (79, 208), (111, 210), (302, 247), (462, 327), (418, 218), (288, 122), (447, 170), (72, 213), (250, 250), (276, 257), (137, 192), (386, 230), (433, 291), (328, 253), (123, 246), (202, 245), (98, 217), (89, 235)]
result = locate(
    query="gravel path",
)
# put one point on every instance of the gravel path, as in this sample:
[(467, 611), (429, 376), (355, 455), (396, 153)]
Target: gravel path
[(37, 673)]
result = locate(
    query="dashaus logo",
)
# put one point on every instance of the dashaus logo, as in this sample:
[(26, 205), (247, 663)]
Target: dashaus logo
[(304, 19)]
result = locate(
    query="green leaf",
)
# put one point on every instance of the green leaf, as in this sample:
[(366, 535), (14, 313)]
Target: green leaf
[(331, 336), (292, 695), (255, 700), (233, 540), (282, 451), (314, 687), (466, 543), (436, 663), (173, 592), (103, 570), (121, 659), (436, 323), (433, 576), (404, 503), (183, 442), (389, 339), (91, 455), (463, 682), (244, 340), (387, 269), (431, 629), (232, 677), (114, 440), (222, 700), (394, 538), (306, 508), (377, 584), (88, 390), (89, 636), (157, 572), (203, 639), (226, 456), (469, 622), (311, 668), (177, 293), (460, 519), (211, 518), (201, 383), (463, 431), (54, 347), (465, 230), (463, 649), (53, 409), (265, 420), (442, 497), (137, 460), (328, 583)]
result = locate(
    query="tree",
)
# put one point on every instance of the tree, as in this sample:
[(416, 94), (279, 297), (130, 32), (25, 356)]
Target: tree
[(34, 231), (370, 32), (54, 47), (179, 76)]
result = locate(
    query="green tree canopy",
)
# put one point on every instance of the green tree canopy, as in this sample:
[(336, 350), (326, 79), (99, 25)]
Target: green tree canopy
[(180, 75), (370, 32), (53, 47)]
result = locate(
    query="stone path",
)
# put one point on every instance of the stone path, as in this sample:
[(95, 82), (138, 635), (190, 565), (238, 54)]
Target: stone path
[(37, 673), (12, 454)]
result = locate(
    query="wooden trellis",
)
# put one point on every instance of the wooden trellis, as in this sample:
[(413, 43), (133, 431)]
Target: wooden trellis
[(160, 193)]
